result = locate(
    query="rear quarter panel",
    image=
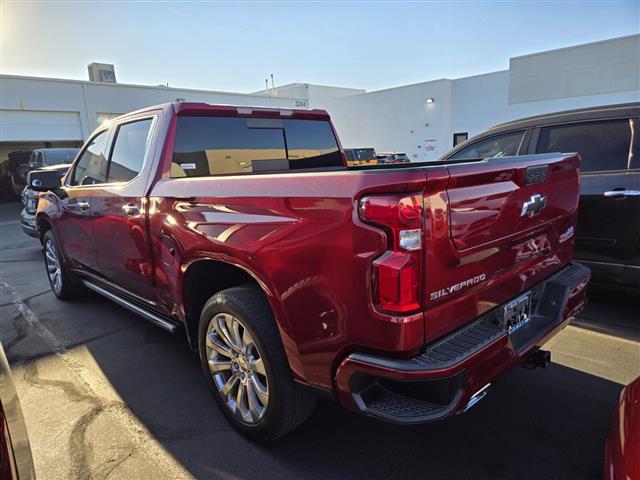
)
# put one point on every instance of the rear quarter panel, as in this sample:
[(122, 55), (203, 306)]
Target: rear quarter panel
[(299, 236)]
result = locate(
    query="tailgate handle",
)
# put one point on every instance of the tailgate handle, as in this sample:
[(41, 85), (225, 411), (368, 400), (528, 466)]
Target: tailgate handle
[(536, 174)]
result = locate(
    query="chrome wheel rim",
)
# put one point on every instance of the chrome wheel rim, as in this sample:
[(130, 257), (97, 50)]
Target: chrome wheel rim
[(53, 265), (237, 368)]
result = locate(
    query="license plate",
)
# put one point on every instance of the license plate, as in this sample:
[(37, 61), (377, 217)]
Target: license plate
[(517, 313)]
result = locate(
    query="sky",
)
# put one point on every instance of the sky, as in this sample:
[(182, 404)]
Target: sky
[(234, 46)]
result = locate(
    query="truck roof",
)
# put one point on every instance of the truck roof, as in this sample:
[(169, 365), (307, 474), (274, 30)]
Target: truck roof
[(199, 108)]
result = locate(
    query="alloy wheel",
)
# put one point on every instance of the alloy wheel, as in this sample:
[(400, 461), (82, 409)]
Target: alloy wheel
[(237, 368), (54, 270)]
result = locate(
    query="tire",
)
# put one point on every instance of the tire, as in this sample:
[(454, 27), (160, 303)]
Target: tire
[(259, 365), (63, 284)]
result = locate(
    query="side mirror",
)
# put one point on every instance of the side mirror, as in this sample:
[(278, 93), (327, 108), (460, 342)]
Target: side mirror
[(43, 181)]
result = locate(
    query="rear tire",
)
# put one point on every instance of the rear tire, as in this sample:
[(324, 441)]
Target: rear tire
[(246, 367), (63, 284)]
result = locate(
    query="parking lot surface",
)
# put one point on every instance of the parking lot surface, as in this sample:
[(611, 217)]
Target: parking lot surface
[(107, 395)]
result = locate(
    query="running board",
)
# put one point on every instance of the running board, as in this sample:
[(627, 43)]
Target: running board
[(153, 318)]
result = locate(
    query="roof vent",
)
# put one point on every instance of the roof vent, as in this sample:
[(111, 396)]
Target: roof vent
[(102, 72)]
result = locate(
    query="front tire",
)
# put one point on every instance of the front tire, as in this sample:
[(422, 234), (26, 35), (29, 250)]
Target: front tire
[(63, 285), (243, 358)]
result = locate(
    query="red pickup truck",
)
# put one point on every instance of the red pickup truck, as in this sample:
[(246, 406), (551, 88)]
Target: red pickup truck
[(401, 291)]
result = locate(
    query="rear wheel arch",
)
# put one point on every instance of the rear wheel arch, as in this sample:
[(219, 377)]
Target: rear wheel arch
[(205, 277)]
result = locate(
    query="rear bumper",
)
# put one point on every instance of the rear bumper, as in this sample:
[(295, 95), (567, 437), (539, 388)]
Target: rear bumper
[(455, 369), (28, 224)]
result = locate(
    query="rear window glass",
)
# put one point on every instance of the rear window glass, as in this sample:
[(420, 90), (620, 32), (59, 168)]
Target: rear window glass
[(503, 145), (226, 145), (603, 145), (57, 157)]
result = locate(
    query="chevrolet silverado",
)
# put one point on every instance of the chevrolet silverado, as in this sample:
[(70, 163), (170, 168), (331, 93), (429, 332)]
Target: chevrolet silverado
[(401, 291)]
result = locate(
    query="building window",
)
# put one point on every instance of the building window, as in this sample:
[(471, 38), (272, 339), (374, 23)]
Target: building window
[(458, 138)]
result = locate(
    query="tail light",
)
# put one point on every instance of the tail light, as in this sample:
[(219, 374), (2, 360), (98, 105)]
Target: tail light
[(397, 273)]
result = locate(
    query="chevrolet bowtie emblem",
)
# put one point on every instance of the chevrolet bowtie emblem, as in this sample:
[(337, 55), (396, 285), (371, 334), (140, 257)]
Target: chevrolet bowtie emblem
[(534, 206)]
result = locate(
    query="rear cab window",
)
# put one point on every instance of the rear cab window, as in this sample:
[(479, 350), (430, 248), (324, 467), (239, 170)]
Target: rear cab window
[(206, 146), (602, 145)]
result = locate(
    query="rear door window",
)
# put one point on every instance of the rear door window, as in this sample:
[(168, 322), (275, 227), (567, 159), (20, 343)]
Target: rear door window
[(603, 145), (129, 150), (92, 166), (502, 145), (228, 145)]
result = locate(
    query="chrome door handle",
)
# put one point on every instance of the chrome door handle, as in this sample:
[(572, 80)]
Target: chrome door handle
[(83, 205), (622, 193), (131, 209)]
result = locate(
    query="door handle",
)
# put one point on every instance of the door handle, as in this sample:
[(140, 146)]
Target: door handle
[(131, 209), (82, 204), (622, 193)]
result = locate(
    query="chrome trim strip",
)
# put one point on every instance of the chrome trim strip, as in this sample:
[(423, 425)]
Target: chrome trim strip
[(595, 262), (170, 327), (479, 395)]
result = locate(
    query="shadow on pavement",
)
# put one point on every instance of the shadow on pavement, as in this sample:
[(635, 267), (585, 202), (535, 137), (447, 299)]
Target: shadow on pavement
[(533, 424)]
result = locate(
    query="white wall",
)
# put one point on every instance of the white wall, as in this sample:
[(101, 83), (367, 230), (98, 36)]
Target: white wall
[(596, 68), (316, 96), (52, 109), (482, 101), (600, 73), (397, 119)]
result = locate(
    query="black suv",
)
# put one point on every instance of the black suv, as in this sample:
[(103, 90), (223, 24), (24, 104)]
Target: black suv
[(608, 232)]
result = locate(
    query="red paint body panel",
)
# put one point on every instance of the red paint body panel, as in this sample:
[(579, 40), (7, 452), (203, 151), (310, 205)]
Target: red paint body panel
[(299, 235), (622, 448)]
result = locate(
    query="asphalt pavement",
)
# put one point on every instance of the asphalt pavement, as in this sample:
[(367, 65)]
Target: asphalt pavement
[(107, 395)]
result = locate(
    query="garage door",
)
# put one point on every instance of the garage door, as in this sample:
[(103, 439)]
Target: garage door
[(29, 125)]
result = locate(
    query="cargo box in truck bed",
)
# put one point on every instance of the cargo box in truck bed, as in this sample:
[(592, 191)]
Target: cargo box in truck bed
[(401, 291)]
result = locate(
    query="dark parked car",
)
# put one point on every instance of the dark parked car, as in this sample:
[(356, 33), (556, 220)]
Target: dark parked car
[(392, 157), (11, 183), (360, 156), (16, 462), (42, 157), (608, 230), (30, 201)]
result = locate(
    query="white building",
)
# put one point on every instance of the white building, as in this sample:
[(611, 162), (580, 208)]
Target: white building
[(400, 119), (47, 112), (419, 119)]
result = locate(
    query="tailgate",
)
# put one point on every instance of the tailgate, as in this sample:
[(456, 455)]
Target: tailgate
[(508, 225), (507, 196)]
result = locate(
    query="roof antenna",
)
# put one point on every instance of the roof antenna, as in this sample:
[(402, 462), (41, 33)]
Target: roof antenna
[(266, 87), (273, 85)]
